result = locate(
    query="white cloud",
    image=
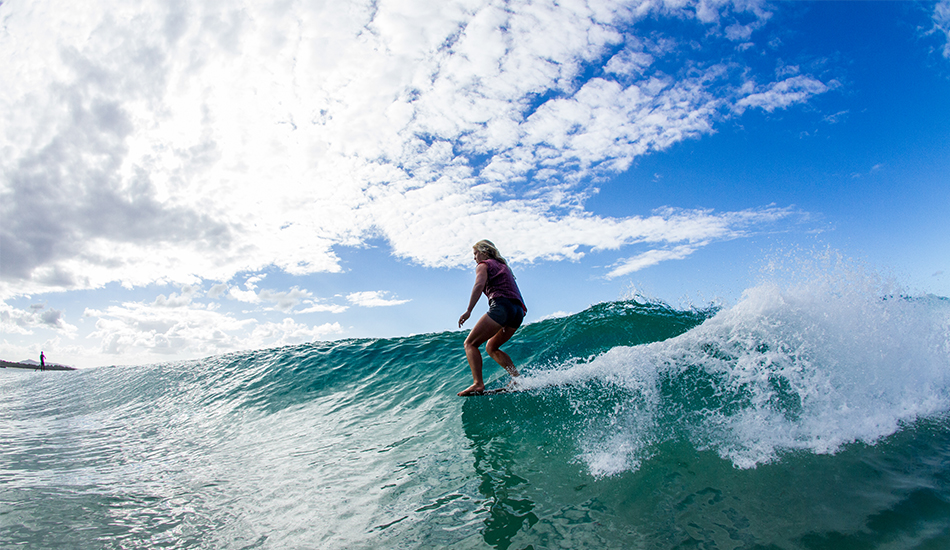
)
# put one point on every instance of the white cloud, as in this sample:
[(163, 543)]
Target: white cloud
[(629, 61), (373, 298), (218, 290), (284, 300), (649, 258), (173, 326), (251, 282), (321, 307), (837, 117), (151, 331), (17, 321), (162, 143), (695, 229), (248, 296), (289, 332), (54, 318), (739, 33), (188, 292), (780, 95)]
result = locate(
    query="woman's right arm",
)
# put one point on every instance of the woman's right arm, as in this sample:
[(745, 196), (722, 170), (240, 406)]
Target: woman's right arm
[(481, 279)]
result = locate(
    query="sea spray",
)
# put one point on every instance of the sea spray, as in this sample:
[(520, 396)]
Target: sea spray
[(811, 367)]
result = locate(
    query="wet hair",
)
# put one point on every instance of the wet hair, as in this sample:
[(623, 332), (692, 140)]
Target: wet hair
[(488, 248)]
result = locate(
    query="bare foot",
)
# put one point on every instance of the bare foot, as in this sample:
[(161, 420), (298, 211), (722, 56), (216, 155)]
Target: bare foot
[(474, 389)]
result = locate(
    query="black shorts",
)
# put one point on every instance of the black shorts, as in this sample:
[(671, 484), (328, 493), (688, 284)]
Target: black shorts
[(505, 312)]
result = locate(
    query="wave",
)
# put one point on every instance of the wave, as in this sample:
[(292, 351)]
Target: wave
[(812, 366)]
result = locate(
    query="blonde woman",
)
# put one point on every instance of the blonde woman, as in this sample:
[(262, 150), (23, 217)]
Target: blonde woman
[(506, 311)]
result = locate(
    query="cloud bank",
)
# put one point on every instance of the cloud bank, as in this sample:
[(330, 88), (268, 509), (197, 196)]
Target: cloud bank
[(182, 324), (174, 142), (941, 19)]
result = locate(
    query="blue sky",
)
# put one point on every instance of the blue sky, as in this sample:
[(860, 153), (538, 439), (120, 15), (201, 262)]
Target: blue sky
[(184, 179)]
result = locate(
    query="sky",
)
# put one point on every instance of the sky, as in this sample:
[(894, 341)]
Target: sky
[(186, 179)]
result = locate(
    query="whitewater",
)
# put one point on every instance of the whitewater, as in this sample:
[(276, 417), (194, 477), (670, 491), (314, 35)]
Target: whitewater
[(807, 415)]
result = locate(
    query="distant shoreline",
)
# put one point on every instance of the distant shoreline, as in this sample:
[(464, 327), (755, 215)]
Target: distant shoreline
[(49, 366)]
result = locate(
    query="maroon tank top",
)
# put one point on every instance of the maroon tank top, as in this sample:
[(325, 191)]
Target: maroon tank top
[(501, 283)]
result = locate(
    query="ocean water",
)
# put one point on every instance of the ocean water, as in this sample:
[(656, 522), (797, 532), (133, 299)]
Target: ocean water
[(808, 416)]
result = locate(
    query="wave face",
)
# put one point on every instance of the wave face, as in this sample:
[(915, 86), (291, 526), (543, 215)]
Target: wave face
[(802, 417)]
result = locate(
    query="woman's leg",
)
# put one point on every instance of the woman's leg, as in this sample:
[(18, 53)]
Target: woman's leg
[(483, 330), (500, 357)]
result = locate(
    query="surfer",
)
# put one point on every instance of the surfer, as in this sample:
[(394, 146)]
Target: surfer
[(506, 311)]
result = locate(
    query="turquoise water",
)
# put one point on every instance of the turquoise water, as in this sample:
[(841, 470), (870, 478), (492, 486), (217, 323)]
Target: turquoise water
[(798, 418)]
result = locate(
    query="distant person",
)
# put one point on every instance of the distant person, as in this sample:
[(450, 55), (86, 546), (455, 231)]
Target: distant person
[(42, 361), (506, 311)]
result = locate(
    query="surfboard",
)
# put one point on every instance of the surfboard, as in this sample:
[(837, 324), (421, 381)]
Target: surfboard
[(499, 390), (495, 391), (508, 387)]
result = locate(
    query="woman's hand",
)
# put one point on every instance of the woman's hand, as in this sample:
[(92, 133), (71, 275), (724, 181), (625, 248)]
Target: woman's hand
[(464, 318)]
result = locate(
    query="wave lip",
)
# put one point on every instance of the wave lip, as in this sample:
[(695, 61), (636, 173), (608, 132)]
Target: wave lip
[(783, 370)]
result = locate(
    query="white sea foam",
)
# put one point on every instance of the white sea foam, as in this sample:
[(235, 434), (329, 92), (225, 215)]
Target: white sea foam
[(811, 366)]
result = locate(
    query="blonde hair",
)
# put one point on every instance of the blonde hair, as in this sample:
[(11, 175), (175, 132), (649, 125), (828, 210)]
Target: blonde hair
[(488, 248)]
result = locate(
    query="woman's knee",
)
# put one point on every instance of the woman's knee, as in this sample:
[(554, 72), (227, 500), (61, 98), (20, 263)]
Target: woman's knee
[(472, 343)]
